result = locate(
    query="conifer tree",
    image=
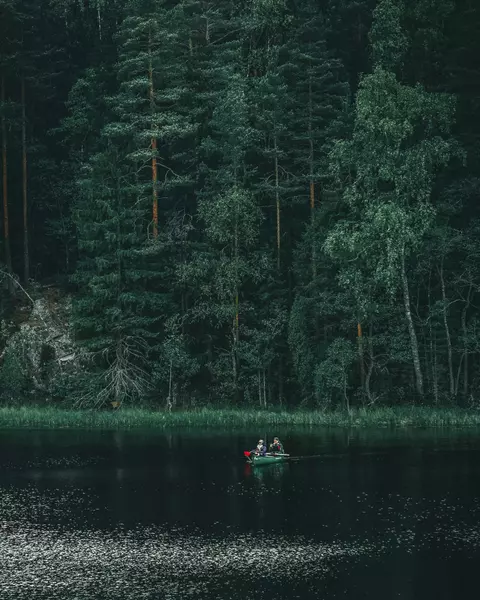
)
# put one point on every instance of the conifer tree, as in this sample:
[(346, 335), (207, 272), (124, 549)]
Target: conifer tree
[(113, 315), (318, 103), (231, 219), (319, 113), (6, 222), (151, 101)]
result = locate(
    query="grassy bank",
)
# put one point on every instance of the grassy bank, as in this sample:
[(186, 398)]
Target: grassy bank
[(54, 418)]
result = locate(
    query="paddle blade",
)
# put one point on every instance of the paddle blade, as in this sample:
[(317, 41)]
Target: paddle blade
[(246, 453)]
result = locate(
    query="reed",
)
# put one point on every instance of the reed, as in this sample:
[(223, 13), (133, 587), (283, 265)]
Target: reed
[(205, 418)]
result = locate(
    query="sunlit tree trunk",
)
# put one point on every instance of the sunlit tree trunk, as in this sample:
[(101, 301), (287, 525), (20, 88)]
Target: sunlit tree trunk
[(236, 335), (312, 189), (277, 200), (426, 361), (345, 395), (433, 360), (371, 365), (6, 227), (411, 330), (447, 333), (153, 143), (99, 19), (26, 258), (435, 368), (361, 354), (465, 343), (259, 387), (433, 349), (311, 171)]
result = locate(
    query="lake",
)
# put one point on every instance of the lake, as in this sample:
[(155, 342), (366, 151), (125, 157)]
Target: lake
[(145, 515)]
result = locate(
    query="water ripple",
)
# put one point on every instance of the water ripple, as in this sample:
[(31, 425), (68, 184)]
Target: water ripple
[(151, 563)]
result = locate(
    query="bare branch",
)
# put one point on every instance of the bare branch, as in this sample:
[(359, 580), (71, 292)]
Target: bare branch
[(4, 273)]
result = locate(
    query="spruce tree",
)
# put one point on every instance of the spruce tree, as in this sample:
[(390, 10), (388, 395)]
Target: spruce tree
[(318, 113), (113, 312), (231, 218)]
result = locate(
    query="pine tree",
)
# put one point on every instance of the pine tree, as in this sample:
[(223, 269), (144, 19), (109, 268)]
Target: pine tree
[(112, 308), (348, 32), (319, 103), (6, 223), (319, 113), (147, 124), (224, 274), (231, 219), (8, 17)]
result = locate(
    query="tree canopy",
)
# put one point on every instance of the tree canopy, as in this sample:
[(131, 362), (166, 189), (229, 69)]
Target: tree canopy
[(257, 202)]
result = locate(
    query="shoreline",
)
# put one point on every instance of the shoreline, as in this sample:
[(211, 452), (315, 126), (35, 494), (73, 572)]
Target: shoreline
[(218, 418)]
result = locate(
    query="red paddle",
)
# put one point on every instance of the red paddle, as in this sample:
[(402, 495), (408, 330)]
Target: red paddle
[(246, 453)]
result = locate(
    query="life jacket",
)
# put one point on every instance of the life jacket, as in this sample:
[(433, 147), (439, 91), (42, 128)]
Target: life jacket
[(262, 449)]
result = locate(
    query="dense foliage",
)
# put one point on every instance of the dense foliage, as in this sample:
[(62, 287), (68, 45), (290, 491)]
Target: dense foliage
[(259, 202)]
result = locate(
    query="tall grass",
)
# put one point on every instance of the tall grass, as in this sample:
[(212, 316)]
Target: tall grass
[(205, 418)]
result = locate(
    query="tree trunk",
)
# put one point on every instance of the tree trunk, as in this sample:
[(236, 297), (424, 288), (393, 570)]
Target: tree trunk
[(99, 20), (269, 394), (433, 350), (312, 183), (360, 355), (280, 380), (236, 258), (370, 368), (236, 318), (259, 387), (411, 330), (6, 227), (277, 200), (345, 395), (264, 389), (26, 258), (447, 334), (465, 346), (234, 372), (169, 399), (435, 369), (153, 143), (433, 360), (236, 335), (459, 371), (426, 359), (183, 298)]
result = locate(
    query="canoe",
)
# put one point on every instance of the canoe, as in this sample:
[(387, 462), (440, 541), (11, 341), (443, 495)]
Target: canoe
[(269, 459)]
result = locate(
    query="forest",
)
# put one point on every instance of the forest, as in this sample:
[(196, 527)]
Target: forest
[(243, 203)]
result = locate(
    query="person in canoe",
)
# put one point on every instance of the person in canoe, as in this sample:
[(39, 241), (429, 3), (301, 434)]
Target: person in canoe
[(276, 447), (260, 450)]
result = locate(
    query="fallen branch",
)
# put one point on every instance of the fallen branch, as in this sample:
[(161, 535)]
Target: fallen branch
[(17, 283)]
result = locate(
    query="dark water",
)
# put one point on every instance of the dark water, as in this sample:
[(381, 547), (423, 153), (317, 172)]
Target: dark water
[(132, 515)]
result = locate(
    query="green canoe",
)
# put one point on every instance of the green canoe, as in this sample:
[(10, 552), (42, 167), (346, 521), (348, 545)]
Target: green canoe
[(268, 459)]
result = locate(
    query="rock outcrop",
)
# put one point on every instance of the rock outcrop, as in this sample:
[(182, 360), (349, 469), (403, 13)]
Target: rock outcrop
[(39, 343)]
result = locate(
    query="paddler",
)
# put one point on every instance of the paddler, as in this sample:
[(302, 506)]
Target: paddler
[(276, 446), (260, 450)]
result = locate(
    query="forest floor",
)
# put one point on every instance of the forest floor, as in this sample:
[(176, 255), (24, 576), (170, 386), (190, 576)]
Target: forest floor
[(220, 418)]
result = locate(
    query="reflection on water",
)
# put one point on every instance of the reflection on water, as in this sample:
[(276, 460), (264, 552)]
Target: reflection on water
[(266, 473), (131, 515), (146, 561)]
